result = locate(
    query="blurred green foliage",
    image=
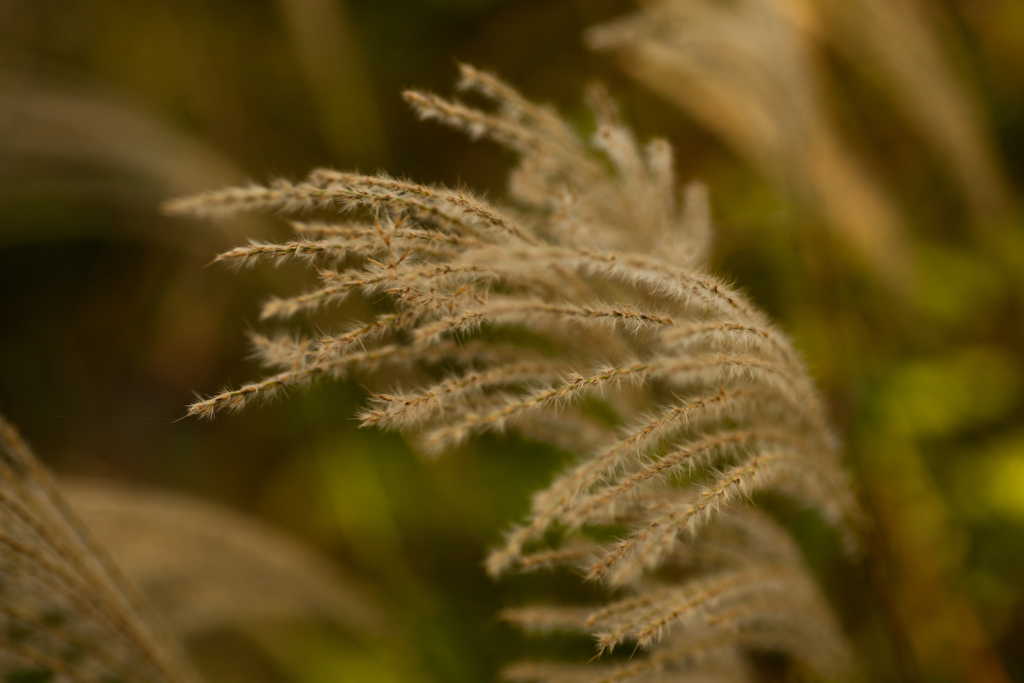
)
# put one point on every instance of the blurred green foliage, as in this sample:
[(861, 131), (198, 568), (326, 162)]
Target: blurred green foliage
[(111, 321)]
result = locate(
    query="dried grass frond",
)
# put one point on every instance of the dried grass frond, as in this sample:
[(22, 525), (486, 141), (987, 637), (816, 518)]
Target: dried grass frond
[(64, 123), (746, 71), (202, 566), (66, 608), (585, 317), (898, 43)]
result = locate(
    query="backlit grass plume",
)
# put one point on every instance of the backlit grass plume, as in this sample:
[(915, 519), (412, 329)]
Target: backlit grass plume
[(745, 71), (751, 72), (580, 316)]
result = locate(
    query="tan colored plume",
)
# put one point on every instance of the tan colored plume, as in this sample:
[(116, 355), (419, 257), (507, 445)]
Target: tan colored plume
[(580, 315)]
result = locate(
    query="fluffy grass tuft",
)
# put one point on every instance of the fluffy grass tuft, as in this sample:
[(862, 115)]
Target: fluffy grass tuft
[(589, 290)]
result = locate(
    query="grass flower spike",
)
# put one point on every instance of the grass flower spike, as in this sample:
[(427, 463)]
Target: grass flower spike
[(581, 315)]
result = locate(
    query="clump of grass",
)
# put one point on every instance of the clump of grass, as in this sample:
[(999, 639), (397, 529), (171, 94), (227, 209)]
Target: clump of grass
[(583, 316)]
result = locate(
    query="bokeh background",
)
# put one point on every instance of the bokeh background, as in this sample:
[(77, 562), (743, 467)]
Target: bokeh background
[(865, 173)]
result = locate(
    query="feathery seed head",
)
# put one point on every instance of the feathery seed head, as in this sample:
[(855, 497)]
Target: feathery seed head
[(590, 289)]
